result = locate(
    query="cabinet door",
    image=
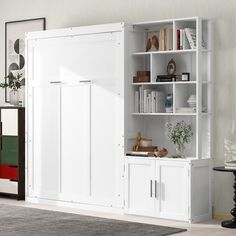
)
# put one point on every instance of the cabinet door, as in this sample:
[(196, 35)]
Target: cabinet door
[(75, 142), (44, 142), (173, 189), (106, 122), (139, 187)]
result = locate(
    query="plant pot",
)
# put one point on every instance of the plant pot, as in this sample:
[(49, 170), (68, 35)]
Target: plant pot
[(14, 97)]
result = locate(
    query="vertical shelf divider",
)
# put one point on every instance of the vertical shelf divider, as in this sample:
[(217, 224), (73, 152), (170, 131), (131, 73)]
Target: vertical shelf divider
[(174, 97), (174, 35)]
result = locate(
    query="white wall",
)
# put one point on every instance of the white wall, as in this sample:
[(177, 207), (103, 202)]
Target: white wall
[(67, 13)]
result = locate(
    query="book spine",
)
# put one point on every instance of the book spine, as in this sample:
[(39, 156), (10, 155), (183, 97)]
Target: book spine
[(149, 103), (153, 101), (136, 102), (178, 39), (191, 36), (181, 39), (145, 100)]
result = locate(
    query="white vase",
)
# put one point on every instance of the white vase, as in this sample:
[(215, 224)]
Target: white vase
[(14, 97)]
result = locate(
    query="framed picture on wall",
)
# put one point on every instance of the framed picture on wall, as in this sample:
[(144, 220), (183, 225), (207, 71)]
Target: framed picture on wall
[(15, 46)]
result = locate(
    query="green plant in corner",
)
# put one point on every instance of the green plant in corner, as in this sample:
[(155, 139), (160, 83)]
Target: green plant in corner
[(13, 82), (179, 134)]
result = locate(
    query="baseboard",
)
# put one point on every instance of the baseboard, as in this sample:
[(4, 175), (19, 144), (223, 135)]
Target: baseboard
[(86, 207), (222, 216)]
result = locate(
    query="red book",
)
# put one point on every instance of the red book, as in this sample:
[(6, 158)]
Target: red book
[(178, 39)]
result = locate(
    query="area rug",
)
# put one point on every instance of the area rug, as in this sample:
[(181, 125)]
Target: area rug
[(24, 221)]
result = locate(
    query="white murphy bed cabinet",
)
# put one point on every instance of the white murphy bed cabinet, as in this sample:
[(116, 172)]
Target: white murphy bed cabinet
[(75, 115), (81, 120)]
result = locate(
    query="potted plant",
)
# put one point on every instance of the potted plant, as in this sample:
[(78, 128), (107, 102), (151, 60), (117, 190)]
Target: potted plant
[(14, 82), (179, 134)]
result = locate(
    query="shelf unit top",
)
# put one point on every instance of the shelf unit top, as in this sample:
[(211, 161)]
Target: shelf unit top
[(167, 21)]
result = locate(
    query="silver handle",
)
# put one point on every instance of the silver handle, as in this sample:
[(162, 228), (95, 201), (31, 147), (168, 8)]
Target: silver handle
[(155, 189), (55, 82), (150, 188), (85, 81)]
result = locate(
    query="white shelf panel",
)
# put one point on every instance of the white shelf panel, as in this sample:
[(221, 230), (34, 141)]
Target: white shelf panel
[(165, 52), (167, 158), (164, 83), (164, 114)]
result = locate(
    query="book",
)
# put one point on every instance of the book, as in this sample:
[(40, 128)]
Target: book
[(186, 44), (153, 101), (146, 93), (141, 99), (185, 109), (169, 39), (230, 164), (191, 36), (165, 78), (136, 101), (178, 39), (133, 153), (181, 39), (230, 167)]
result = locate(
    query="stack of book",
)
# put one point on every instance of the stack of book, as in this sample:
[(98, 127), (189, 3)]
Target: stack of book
[(230, 164), (149, 101), (168, 78), (165, 39), (186, 38)]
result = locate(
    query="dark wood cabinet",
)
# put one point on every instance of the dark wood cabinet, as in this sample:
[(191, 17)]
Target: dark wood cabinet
[(12, 153)]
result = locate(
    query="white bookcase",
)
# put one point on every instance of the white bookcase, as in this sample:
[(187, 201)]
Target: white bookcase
[(196, 167)]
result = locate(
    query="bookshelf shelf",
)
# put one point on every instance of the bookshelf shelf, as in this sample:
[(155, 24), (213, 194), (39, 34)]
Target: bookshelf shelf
[(166, 83), (166, 52), (164, 114)]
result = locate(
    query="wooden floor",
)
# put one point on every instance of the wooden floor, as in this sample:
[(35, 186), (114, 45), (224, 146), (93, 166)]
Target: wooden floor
[(212, 227)]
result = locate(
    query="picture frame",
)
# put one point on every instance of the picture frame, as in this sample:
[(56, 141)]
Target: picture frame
[(171, 67), (15, 46), (152, 43)]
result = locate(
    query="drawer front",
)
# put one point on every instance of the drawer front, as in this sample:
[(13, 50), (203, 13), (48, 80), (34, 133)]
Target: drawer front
[(7, 186), (9, 153), (9, 119), (8, 172)]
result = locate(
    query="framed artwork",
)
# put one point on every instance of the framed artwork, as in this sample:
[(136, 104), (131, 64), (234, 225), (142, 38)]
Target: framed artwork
[(152, 41), (15, 46), (171, 67)]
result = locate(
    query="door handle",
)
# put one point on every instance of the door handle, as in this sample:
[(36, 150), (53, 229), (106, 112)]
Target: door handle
[(155, 189), (150, 188), (55, 82), (85, 81)]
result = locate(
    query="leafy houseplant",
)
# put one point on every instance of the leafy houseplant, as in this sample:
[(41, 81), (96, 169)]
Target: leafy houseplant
[(14, 82), (179, 134)]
